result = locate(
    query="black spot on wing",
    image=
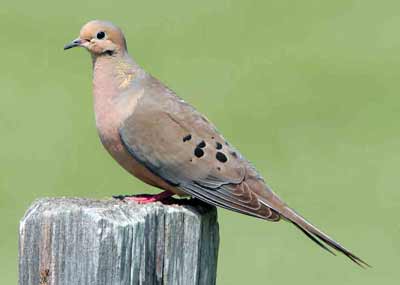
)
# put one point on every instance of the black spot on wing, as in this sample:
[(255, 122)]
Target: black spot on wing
[(187, 138), (221, 157), (218, 145), (198, 152), (202, 144)]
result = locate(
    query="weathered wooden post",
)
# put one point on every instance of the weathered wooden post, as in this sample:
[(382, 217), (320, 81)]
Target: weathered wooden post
[(83, 241)]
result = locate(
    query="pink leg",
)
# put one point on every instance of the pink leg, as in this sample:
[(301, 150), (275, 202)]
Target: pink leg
[(147, 198)]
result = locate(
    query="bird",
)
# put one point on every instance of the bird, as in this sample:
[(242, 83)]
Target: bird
[(165, 142)]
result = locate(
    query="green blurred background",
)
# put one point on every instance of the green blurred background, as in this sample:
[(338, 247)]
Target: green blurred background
[(307, 90)]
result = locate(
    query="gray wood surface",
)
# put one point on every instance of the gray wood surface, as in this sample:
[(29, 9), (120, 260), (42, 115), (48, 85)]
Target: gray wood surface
[(83, 241)]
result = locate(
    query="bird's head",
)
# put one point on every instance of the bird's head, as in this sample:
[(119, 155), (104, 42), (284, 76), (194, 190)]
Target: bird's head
[(100, 38)]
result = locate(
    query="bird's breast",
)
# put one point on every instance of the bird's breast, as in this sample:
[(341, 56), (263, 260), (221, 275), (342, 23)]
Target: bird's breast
[(109, 117)]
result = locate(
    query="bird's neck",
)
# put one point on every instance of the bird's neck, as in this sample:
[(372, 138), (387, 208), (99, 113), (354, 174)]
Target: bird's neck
[(111, 74), (112, 77)]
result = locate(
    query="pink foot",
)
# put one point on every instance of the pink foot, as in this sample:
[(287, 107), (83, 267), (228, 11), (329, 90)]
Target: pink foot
[(142, 200), (146, 198)]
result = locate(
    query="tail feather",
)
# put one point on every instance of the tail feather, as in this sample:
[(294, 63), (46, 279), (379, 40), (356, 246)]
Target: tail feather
[(314, 239), (319, 237)]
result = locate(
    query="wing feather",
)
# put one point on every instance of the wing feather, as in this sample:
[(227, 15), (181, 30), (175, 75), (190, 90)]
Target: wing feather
[(159, 145)]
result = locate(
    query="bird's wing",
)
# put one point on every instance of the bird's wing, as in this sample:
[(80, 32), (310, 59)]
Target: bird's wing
[(178, 144), (181, 146)]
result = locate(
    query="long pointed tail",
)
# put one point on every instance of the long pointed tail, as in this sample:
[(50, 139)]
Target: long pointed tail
[(318, 236)]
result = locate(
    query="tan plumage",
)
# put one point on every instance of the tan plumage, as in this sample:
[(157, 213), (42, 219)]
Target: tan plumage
[(167, 143)]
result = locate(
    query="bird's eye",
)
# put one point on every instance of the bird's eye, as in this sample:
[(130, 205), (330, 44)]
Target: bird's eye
[(100, 35)]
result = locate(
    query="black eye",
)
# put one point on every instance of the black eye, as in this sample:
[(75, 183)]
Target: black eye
[(100, 35)]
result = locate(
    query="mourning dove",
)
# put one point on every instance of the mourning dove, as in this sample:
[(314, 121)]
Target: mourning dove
[(164, 141)]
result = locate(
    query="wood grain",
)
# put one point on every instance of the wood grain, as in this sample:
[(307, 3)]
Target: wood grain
[(84, 241)]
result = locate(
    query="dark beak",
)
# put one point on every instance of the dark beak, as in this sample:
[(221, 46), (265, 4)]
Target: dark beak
[(74, 43)]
